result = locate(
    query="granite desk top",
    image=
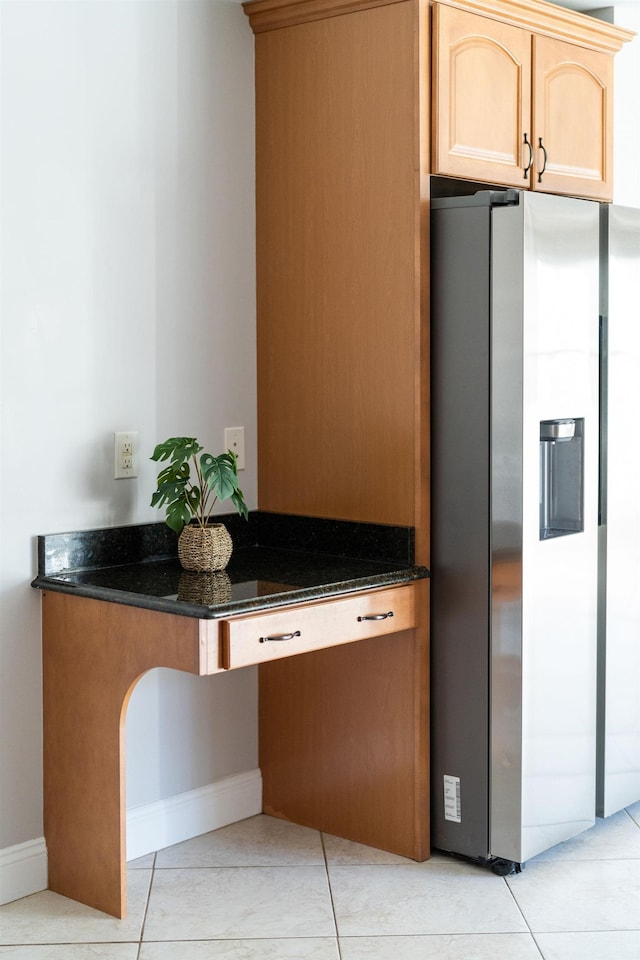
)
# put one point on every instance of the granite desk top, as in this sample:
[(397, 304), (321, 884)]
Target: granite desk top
[(277, 560)]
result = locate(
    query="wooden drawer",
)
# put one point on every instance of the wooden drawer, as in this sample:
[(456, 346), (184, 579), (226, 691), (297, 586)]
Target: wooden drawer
[(300, 629)]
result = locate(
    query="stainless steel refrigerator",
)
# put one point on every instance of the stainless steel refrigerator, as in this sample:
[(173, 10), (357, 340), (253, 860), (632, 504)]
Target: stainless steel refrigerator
[(618, 755), (515, 424)]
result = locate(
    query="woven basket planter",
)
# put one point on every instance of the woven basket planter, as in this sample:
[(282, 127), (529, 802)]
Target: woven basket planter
[(204, 548)]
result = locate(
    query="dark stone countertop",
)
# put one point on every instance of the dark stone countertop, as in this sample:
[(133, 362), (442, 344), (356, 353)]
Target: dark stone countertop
[(277, 560)]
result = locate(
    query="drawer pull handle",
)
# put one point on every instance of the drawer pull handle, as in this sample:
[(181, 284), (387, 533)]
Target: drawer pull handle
[(376, 616), (279, 637)]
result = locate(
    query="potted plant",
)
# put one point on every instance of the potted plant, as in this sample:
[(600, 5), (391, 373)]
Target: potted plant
[(188, 488)]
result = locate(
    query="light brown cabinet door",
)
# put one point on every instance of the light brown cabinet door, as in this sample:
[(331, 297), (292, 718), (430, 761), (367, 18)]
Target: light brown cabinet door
[(290, 631), (481, 98), (573, 108)]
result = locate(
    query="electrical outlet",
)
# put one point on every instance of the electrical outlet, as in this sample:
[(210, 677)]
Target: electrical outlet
[(234, 440), (125, 454)]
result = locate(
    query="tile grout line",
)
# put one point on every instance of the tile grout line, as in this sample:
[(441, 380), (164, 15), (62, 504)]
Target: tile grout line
[(633, 820), (521, 912), (146, 906), (333, 906)]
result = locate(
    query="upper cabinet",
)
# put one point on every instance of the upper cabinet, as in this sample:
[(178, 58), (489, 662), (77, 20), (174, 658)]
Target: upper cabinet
[(515, 102)]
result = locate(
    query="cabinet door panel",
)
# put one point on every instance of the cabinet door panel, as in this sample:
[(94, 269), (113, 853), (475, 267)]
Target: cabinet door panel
[(481, 98), (572, 114)]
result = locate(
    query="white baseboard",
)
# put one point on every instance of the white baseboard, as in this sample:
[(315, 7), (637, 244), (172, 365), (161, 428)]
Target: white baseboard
[(153, 826), (150, 827), (23, 870)]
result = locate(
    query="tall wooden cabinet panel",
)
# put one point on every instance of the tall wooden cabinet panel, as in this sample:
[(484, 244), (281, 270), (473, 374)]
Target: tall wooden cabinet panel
[(481, 96), (340, 149), (516, 103), (577, 142)]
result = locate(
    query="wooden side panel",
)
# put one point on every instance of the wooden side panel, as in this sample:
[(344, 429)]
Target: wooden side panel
[(482, 98), (422, 358), (210, 653), (337, 167), (573, 113), (93, 655), (344, 737)]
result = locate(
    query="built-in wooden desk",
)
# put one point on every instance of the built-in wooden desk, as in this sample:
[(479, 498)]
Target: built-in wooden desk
[(343, 699)]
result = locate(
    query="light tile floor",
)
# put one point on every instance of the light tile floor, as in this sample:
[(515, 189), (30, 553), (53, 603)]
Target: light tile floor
[(264, 889)]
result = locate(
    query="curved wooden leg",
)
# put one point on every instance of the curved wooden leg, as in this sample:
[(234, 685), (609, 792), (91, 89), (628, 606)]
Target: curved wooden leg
[(93, 655)]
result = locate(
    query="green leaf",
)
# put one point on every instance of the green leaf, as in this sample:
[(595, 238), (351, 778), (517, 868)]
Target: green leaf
[(170, 490), (193, 499), (157, 499), (241, 506), (179, 449), (178, 515), (174, 474), (219, 473)]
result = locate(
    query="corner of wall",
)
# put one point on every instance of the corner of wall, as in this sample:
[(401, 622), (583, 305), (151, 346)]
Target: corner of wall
[(23, 870)]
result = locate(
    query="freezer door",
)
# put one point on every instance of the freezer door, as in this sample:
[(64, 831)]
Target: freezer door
[(544, 577), (619, 620)]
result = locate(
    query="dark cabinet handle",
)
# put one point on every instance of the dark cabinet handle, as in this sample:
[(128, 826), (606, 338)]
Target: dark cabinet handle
[(279, 637), (530, 163), (376, 616), (544, 154)]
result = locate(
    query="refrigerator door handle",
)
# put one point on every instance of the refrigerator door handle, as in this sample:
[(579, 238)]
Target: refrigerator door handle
[(602, 399)]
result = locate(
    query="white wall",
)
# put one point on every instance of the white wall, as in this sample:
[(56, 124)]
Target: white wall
[(626, 141), (127, 304)]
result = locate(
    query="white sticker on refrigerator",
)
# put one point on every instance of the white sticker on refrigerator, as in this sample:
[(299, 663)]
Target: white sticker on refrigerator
[(452, 809)]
